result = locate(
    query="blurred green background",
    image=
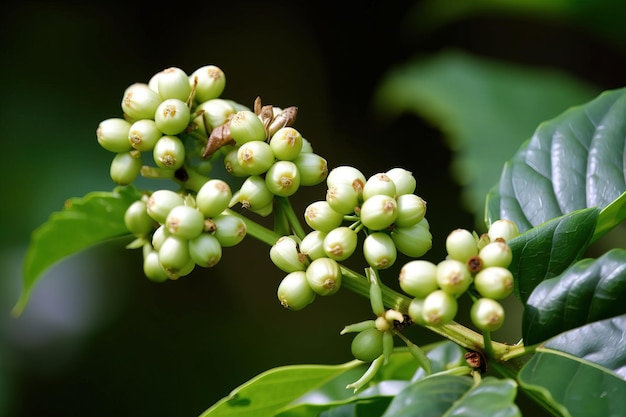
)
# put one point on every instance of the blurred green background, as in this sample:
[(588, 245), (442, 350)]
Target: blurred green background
[(446, 89)]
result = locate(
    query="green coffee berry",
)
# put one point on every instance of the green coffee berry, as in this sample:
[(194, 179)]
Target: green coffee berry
[(140, 101), (209, 81), (312, 167), (286, 255), (319, 215), (283, 178), (496, 253), (213, 197), (379, 184), (453, 277), (231, 163), (503, 229), (161, 202), (137, 220), (367, 345), (340, 243), (411, 210), (152, 269), (343, 198), (174, 255), (379, 250), (413, 241), (415, 311), (487, 314), (324, 276), (253, 193), (403, 179), (214, 112), (185, 222), (246, 126), (312, 245), (173, 82), (125, 168), (205, 250), (439, 308), (255, 157), (379, 212), (159, 236), (112, 135), (286, 143), (494, 282), (184, 271), (169, 152), (461, 245), (349, 175), (172, 116), (294, 291), (144, 134), (229, 230), (418, 278)]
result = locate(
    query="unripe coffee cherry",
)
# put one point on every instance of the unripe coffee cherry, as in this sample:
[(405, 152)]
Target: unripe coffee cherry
[(313, 168), (158, 237), (213, 197), (294, 291), (411, 210), (340, 243), (494, 282), (418, 278), (283, 178), (367, 345), (112, 135), (205, 250), (172, 116), (503, 229), (231, 163), (348, 175), (169, 152), (439, 308), (413, 241), (379, 212), (137, 220), (453, 277), (209, 81), (245, 126), (214, 112), (312, 245), (144, 134), (286, 143), (174, 255), (152, 269), (496, 253), (319, 215), (173, 83), (415, 311), (253, 193), (140, 101), (125, 168), (255, 157), (403, 179), (229, 230), (324, 276), (461, 245), (379, 250), (185, 222), (343, 198), (161, 202), (379, 184), (286, 255), (487, 314)]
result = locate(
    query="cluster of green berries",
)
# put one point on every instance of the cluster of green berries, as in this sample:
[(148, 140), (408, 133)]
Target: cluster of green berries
[(474, 265), (177, 126), (382, 207)]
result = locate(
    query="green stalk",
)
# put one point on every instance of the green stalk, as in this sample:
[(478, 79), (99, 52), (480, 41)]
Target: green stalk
[(294, 220)]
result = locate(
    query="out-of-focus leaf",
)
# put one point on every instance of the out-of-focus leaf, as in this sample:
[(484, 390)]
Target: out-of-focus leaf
[(84, 222), (611, 215), (573, 386), (450, 395), (573, 161), (444, 355), (485, 108), (547, 250), (588, 291)]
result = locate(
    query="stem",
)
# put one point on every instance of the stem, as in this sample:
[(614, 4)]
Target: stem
[(488, 344), (293, 219), (255, 230)]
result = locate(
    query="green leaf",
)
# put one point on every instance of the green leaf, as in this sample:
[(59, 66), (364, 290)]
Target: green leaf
[(611, 216), (265, 394), (546, 251), (83, 222), (485, 108), (588, 291), (573, 386), (452, 395), (573, 161)]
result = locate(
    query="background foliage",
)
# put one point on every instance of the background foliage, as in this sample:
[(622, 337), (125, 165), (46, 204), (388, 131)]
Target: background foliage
[(99, 338)]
